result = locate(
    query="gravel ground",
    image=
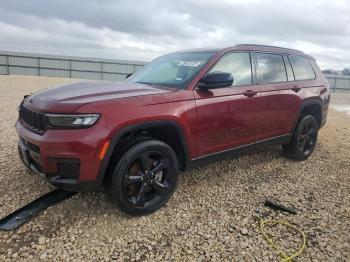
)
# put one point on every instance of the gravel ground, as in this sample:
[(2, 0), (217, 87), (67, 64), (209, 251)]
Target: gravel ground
[(212, 216)]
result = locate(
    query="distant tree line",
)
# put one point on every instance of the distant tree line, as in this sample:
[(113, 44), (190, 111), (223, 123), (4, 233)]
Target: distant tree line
[(345, 71)]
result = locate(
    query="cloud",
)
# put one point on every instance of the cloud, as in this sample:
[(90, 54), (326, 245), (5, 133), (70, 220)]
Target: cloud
[(142, 30)]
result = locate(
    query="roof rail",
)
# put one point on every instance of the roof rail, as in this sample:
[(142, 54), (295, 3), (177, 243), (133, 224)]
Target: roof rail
[(282, 48)]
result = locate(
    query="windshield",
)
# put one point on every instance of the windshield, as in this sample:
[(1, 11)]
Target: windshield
[(173, 70)]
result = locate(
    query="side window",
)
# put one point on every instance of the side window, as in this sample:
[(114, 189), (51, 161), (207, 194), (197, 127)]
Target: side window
[(302, 68), (238, 64), (270, 68), (314, 65), (289, 69)]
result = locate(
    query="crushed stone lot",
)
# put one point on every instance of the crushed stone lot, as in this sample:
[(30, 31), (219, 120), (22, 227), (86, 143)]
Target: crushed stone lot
[(213, 215)]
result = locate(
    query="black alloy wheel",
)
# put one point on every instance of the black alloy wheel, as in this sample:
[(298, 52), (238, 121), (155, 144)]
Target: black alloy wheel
[(146, 182), (144, 178), (304, 139), (307, 138)]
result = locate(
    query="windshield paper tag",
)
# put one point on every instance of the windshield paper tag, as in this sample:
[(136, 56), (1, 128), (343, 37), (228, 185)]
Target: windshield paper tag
[(189, 63)]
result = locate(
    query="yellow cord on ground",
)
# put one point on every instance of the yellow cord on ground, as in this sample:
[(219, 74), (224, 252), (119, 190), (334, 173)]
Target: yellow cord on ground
[(285, 256)]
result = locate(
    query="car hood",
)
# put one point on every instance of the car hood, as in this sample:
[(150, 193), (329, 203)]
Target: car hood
[(70, 97)]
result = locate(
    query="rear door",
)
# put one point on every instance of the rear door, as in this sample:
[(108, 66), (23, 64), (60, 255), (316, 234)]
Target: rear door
[(279, 99), (226, 117)]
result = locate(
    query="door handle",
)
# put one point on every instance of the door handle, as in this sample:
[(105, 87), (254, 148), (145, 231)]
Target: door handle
[(296, 89), (250, 93)]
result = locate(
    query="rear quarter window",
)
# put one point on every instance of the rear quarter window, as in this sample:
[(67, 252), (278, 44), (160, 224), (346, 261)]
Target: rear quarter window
[(315, 65), (302, 68)]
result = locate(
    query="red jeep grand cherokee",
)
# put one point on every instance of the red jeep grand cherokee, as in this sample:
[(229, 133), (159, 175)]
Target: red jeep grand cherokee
[(131, 138)]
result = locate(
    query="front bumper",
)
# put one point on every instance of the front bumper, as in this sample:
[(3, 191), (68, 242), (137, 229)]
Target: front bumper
[(67, 159)]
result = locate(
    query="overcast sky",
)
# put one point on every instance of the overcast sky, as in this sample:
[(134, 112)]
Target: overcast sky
[(142, 30)]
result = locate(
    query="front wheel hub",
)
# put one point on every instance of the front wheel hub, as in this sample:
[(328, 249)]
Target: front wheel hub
[(148, 178)]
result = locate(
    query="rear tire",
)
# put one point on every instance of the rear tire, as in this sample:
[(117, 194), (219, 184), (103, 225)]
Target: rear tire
[(304, 139), (144, 178)]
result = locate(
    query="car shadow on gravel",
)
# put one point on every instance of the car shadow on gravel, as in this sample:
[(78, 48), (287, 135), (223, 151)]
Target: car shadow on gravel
[(224, 167)]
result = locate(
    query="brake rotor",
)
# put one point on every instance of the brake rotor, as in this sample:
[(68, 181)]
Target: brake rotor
[(134, 170)]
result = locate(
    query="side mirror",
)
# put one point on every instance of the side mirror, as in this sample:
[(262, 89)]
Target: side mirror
[(215, 80)]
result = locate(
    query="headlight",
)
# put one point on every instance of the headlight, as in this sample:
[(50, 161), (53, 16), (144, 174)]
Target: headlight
[(71, 121)]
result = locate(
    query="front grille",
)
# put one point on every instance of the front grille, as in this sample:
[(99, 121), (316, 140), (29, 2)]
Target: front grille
[(34, 121)]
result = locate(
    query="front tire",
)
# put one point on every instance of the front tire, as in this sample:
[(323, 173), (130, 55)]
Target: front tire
[(304, 139), (144, 178)]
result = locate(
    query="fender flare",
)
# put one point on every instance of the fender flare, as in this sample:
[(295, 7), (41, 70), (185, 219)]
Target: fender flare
[(304, 104), (136, 127)]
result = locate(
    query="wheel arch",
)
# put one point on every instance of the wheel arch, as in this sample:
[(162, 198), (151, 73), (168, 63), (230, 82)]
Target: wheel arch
[(311, 107), (173, 136)]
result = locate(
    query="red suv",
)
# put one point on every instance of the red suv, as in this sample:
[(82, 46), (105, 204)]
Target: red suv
[(131, 138)]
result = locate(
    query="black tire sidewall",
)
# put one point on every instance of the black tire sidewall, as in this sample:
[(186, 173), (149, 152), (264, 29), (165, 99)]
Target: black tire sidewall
[(297, 154), (116, 184)]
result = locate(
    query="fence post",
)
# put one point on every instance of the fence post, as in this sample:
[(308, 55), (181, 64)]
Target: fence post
[(335, 84), (70, 68), (39, 73), (8, 64), (102, 70)]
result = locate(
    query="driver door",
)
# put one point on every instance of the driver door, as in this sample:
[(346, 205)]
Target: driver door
[(226, 117)]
